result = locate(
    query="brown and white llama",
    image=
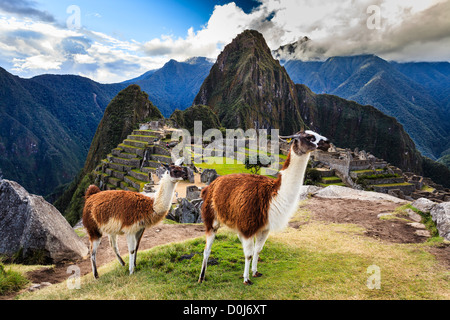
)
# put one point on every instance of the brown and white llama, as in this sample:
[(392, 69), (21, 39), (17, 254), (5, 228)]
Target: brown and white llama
[(253, 205), (116, 212)]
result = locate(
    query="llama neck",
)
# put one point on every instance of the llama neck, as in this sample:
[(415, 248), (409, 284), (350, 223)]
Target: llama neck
[(293, 175), (285, 203), (164, 195)]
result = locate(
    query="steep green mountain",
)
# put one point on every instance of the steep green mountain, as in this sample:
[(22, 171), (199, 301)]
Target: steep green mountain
[(123, 114), (186, 118), (46, 126), (352, 125), (403, 91), (247, 88), (175, 85), (130, 107)]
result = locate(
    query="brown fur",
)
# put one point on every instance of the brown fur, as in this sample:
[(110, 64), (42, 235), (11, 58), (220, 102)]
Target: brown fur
[(126, 206), (240, 201), (92, 189)]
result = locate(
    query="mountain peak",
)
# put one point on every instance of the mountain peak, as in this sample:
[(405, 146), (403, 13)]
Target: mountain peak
[(247, 88)]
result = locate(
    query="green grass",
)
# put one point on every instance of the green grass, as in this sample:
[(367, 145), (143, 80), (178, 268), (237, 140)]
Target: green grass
[(318, 261), (222, 167), (330, 179), (10, 280), (225, 168), (393, 184)]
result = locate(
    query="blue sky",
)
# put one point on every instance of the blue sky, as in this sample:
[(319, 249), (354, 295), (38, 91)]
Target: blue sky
[(111, 41)]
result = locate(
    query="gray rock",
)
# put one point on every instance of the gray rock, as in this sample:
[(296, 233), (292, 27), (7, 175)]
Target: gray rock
[(423, 204), (423, 233), (414, 216), (307, 190), (191, 176), (208, 176), (339, 192), (192, 192), (417, 225), (31, 226), (440, 214), (186, 212)]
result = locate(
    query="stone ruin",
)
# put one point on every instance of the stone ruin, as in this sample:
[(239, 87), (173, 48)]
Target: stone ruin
[(353, 166)]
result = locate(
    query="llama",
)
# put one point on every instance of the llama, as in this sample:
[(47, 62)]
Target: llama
[(116, 212), (253, 205)]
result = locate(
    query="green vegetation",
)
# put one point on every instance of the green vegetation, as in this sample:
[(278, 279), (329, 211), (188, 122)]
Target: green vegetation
[(222, 167), (247, 86), (46, 126), (185, 119), (11, 281), (129, 108), (318, 261), (370, 80)]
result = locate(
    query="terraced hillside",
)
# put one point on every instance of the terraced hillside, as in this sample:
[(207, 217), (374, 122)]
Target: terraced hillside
[(129, 165)]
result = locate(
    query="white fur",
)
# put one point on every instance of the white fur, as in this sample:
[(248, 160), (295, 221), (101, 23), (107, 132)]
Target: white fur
[(164, 195), (285, 203), (317, 136)]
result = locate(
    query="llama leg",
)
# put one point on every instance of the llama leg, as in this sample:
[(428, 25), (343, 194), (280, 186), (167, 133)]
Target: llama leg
[(138, 241), (260, 239), (209, 241), (94, 246), (248, 245), (113, 243), (131, 240)]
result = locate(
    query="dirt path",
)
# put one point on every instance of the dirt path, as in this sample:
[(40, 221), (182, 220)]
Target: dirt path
[(363, 213), (157, 235)]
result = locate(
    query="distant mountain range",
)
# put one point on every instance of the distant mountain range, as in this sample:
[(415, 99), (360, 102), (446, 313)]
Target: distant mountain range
[(47, 123), (416, 94), (46, 127), (248, 88), (175, 85)]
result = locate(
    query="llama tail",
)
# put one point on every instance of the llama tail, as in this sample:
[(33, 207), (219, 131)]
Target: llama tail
[(92, 189)]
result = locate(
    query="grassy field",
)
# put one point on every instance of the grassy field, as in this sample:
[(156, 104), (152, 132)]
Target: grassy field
[(315, 261), (224, 166)]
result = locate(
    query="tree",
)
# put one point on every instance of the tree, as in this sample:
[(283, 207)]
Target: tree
[(253, 163)]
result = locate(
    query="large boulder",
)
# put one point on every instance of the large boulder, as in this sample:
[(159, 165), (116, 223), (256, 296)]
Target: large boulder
[(339, 192), (423, 204), (440, 214), (34, 231)]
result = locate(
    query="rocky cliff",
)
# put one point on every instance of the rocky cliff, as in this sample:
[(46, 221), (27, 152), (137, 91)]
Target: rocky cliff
[(247, 88), (123, 114)]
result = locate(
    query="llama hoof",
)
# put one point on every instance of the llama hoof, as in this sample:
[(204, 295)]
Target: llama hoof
[(257, 274), (200, 280), (248, 283), (95, 275)]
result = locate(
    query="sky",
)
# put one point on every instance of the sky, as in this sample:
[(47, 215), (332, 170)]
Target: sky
[(112, 41)]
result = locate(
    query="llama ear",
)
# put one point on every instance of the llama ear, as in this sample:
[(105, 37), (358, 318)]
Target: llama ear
[(179, 162), (288, 139), (166, 166)]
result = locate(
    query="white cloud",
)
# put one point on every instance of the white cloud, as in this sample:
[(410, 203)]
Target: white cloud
[(409, 30), (40, 62)]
